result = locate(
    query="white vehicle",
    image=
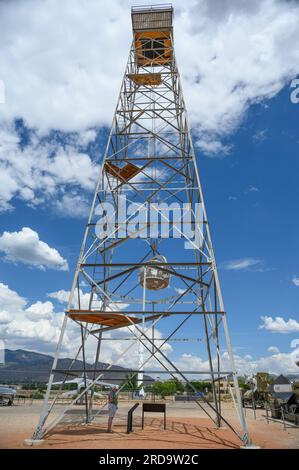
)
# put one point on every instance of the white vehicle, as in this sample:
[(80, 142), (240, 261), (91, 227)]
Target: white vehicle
[(81, 386), (7, 395)]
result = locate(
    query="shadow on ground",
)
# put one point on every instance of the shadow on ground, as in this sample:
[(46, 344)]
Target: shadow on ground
[(178, 434)]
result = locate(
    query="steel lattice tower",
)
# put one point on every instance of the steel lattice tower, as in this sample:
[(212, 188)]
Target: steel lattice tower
[(142, 273)]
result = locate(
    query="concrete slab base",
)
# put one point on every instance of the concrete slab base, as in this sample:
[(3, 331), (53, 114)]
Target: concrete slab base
[(251, 446), (33, 442)]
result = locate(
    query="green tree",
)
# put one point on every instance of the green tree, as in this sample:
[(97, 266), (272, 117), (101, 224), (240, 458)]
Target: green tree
[(180, 387), (130, 384), (200, 386), (168, 387), (244, 385)]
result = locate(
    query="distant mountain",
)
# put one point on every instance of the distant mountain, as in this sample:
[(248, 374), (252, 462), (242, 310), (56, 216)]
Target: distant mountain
[(30, 367)]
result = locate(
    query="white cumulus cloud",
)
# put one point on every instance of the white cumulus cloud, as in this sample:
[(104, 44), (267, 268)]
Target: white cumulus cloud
[(273, 349), (26, 247), (73, 205), (279, 325), (34, 326), (275, 363), (10, 299), (61, 296), (55, 172), (40, 310), (62, 71), (4, 317), (37, 327)]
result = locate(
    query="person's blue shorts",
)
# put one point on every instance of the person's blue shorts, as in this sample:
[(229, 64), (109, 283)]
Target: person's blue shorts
[(112, 410)]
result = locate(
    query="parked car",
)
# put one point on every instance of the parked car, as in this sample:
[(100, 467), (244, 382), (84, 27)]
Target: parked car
[(7, 395)]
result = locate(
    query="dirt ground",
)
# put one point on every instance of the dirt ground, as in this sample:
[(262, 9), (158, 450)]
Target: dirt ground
[(187, 427)]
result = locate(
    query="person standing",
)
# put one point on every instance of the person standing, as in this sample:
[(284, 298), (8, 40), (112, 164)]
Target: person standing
[(112, 406)]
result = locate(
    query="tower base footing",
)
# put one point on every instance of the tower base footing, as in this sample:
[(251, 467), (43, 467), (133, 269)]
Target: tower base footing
[(33, 442), (250, 446)]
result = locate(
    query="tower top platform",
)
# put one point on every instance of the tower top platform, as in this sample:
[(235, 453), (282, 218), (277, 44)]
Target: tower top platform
[(152, 18)]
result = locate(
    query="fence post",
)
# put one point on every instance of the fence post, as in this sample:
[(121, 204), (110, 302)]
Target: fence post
[(282, 414), (130, 418), (253, 407)]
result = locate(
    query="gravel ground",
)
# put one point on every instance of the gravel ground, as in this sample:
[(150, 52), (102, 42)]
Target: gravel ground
[(187, 427)]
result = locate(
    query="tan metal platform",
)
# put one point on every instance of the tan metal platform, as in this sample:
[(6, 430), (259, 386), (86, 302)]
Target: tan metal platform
[(101, 318), (146, 78), (124, 173)]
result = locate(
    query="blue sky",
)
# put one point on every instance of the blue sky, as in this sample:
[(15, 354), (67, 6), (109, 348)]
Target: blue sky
[(259, 224), (247, 153)]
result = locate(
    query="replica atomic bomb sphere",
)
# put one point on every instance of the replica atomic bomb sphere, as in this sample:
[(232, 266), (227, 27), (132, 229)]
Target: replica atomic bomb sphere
[(155, 277)]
